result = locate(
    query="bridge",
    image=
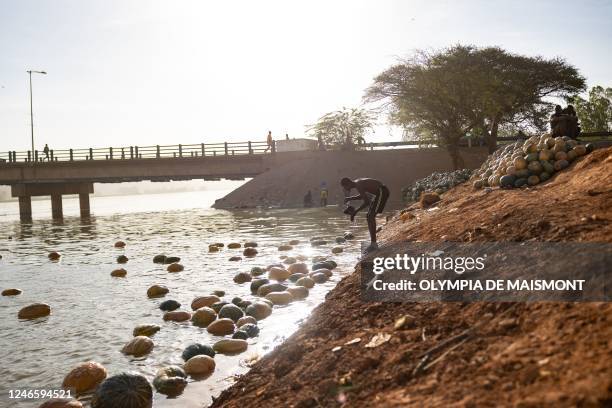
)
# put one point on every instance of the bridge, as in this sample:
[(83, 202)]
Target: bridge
[(74, 171)]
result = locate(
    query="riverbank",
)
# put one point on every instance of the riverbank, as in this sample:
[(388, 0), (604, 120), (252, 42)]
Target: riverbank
[(519, 354)]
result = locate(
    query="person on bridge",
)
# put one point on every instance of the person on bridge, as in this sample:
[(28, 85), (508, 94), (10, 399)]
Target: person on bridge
[(374, 195), (46, 151), (270, 141)]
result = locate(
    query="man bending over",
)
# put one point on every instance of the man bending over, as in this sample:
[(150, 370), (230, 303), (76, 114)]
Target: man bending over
[(374, 195)]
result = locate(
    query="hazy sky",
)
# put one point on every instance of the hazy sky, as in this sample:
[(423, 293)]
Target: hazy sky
[(130, 72)]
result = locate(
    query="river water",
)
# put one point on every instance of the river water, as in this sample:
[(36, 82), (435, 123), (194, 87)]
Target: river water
[(93, 314)]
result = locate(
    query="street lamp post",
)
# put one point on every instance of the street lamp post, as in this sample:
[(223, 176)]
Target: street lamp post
[(31, 109)]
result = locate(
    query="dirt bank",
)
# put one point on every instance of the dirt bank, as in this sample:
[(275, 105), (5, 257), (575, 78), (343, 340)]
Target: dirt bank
[(287, 181), (518, 354)]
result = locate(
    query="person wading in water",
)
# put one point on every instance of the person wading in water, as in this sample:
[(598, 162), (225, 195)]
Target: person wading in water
[(374, 195)]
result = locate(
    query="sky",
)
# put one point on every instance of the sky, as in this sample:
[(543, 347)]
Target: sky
[(127, 72)]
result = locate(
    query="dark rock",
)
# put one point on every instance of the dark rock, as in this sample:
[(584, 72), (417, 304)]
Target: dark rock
[(169, 305), (197, 349)]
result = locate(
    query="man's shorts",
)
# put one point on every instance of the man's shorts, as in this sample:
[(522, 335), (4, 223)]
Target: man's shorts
[(377, 205)]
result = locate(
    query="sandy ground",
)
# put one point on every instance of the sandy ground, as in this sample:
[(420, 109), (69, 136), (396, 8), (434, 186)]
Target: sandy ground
[(457, 354)]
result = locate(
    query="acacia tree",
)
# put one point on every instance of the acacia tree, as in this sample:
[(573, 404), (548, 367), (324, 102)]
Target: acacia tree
[(595, 114), (448, 93), (343, 127)]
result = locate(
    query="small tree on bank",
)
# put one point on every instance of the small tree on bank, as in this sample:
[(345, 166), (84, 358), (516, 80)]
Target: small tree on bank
[(342, 128), (446, 94), (595, 114)]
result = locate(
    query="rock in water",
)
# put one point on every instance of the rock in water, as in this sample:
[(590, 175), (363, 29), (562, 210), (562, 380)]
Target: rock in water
[(242, 277), (121, 259), (145, 330), (231, 311), (246, 320), (170, 381), (123, 391), (234, 245), (34, 311), (159, 259), (177, 316), (119, 273), (119, 244), (138, 346), (172, 259), (250, 244), (319, 277), (54, 256), (235, 259), (200, 366), (299, 267), (305, 282), (11, 292), (203, 317), (221, 327), (251, 329), (340, 240), (84, 377), (157, 291), (298, 292), (257, 271), (249, 252), (296, 276), (259, 310), (204, 301), (257, 283), (279, 274), (213, 248), (325, 271), (348, 236), (337, 250), (241, 335), (285, 248), (175, 267), (169, 305), (197, 349), (219, 293), (230, 346), (217, 306), (279, 298), (270, 287)]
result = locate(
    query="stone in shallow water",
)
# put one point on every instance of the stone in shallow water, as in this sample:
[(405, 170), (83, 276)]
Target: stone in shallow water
[(280, 298), (257, 271), (230, 346), (234, 245), (241, 335), (349, 236), (200, 366), (213, 248), (121, 259), (242, 277), (257, 283), (296, 276), (251, 329), (319, 277), (235, 259), (119, 244), (294, 242), (123, 390), (298, 292), (259, 310), (246, 320), (204, 301), (34, 311), (11, 292), (145, 330), (219, 293), (159, 259), (249, 252), (138, 346), (337, 250), (250, 244), (54, 256), (119, 273), (305, 282), (177, 316), (197, 349), (157, 291), (288, 260), (221, 327), (270, 287), (169, 305), (231, 311), (175, 267), (285, 248), (203, 317), (218, 305), (84, 377), (323, 265), (170, 381), (340, 240), (279, 274), (326, 271), (172, 259), (299, 267)]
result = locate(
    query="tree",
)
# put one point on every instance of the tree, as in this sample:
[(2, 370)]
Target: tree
[(443, 95), (595, 114), (343, 127)]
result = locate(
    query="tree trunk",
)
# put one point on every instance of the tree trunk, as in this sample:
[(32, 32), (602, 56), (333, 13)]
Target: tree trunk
[(453, 151), (492, 135)]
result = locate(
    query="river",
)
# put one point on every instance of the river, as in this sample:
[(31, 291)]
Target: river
[(93, 314)]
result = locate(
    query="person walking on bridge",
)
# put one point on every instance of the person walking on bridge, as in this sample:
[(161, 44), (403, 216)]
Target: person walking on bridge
[(374, 195), (270, 141), (46, 151)]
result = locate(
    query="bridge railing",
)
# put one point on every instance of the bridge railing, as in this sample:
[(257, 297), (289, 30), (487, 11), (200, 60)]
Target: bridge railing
[(141, 152)]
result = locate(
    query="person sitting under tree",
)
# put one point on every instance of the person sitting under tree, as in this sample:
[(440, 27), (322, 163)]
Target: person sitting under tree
[(374, 195)]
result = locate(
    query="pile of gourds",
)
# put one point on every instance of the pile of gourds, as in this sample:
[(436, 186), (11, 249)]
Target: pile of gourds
[(529, 162)]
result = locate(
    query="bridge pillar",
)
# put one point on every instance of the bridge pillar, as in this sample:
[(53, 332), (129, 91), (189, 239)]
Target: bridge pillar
[(57, 211), (84, 205), (25, 208)]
